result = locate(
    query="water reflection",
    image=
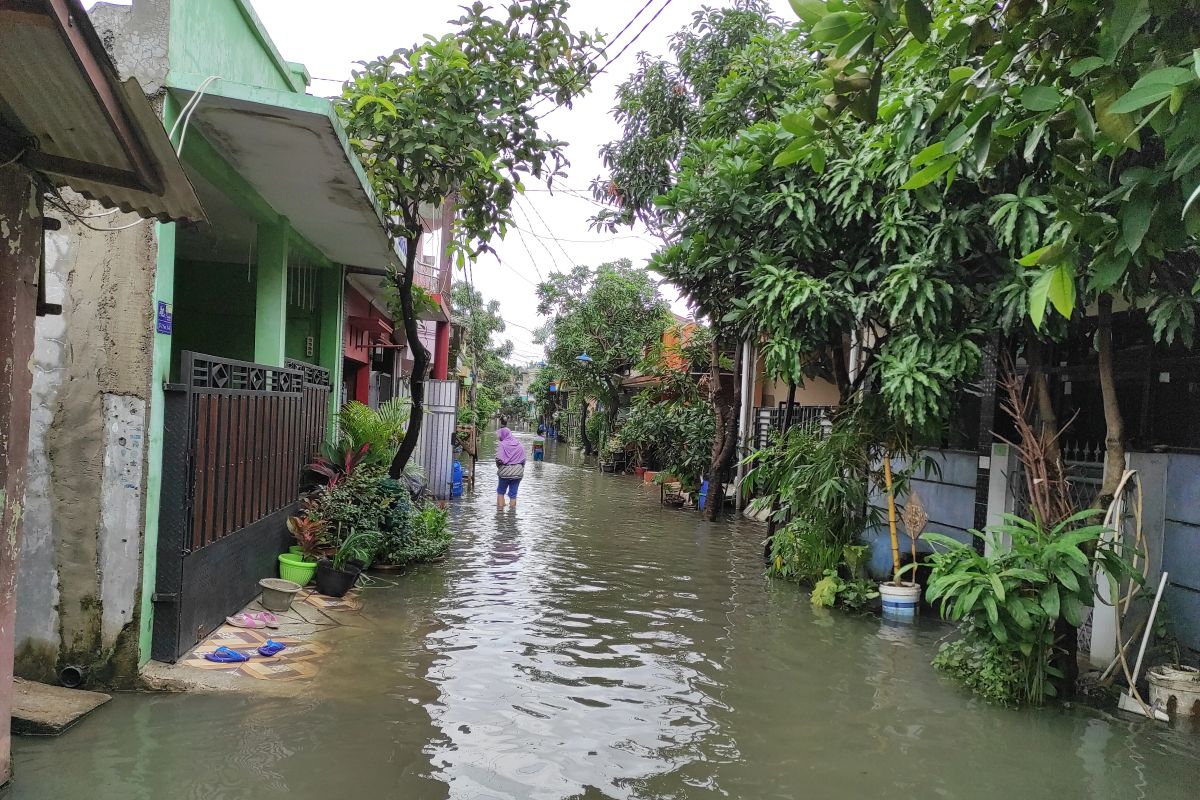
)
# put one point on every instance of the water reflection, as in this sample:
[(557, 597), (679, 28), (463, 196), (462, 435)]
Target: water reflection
[(593, 645)]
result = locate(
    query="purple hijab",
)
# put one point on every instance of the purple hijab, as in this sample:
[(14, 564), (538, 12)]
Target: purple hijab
[(509, 450)]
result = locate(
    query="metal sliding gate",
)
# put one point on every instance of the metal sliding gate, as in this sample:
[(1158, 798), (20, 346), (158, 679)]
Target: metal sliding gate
[(435, 443), (236, 438)]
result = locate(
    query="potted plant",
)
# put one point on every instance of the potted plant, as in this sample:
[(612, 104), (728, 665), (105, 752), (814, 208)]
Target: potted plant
[(901, 599), (337, 575), (300, 566)]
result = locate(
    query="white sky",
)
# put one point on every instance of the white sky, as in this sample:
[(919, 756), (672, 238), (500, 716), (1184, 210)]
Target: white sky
[(328, 37)]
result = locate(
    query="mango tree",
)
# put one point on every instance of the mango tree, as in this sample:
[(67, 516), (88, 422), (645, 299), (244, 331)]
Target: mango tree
[(456, 119), (612, 316), (1091, 112)]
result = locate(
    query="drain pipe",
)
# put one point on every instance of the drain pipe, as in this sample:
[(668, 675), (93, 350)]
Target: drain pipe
[(749, 370), (72, 676)]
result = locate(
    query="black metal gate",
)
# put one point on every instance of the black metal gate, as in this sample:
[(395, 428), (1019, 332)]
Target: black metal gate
[(236, 437)]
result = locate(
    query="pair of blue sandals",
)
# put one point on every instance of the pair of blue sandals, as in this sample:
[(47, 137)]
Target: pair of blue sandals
[(225, 655)]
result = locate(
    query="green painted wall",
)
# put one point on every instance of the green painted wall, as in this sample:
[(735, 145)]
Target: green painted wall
[(214, 311), (270, 325), (225, 38), (164, 287), (302, 323)]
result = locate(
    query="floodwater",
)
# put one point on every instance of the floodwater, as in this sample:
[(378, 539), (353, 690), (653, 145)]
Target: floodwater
[(594, 645)]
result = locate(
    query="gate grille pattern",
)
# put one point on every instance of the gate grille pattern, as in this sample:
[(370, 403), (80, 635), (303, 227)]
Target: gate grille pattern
[(252, 429)]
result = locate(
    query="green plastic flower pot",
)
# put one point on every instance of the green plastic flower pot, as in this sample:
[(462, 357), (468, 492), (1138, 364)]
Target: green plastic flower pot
[(294, 568)]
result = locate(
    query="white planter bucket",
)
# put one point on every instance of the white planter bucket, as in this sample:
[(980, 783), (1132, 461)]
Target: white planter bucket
[(900, 602), (1175, 689)]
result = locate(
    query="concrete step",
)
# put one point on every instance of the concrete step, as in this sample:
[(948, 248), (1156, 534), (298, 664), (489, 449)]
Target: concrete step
[(42, 710)]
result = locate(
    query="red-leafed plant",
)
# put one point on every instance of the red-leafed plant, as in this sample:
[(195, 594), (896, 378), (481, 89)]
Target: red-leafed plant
[(308, 532), (338, 462)]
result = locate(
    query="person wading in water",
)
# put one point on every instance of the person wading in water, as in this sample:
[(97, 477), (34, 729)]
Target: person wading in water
[(510, 466)]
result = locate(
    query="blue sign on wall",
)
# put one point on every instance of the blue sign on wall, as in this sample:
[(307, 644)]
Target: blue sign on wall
[(163, 318)]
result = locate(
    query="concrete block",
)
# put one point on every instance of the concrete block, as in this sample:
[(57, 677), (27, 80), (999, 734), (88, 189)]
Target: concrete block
[(42, 710)]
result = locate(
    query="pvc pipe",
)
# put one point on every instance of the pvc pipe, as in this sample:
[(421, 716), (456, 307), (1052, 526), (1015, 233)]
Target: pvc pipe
[(743, 421), (1137, 666), (855, 355)]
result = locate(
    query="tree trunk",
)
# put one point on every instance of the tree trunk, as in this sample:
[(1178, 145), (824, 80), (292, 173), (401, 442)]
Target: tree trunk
[(727, 400), (1047, 418), (841, 372), (583, 436), (771, 524), (614, 404), (416, 382), (1114, 436)]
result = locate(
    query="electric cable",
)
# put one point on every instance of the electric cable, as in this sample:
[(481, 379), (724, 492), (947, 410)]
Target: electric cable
[(610, 43), (612, 60), (550, 231)]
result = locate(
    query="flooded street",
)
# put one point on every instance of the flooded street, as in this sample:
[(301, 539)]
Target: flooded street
[(594, 645)]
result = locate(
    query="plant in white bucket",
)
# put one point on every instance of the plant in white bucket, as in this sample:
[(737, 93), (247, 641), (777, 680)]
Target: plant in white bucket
[(901, 599)]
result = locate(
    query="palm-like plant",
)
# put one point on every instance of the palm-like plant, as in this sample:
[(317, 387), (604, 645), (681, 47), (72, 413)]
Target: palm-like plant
[(382, 428)]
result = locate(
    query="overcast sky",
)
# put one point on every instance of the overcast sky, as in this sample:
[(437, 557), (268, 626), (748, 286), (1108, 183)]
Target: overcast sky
[(328, 37)]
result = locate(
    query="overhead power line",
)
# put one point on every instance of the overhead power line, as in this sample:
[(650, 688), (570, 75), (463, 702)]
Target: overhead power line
[(613, 60)]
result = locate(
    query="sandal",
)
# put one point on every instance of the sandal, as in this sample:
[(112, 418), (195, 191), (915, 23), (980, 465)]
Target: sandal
[(267, 618), (246, 620), (271, 648), (223, 655)]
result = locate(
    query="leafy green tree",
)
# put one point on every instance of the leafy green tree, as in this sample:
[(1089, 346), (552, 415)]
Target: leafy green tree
[(491, 376), (613, 315), (731, 69), (456, 119), (1078, 116)]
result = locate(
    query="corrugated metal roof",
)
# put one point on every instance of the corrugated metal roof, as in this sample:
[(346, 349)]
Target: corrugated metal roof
[(62, 105)]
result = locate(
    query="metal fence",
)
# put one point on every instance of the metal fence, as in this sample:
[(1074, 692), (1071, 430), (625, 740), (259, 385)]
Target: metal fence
[(769, 419), (236, 438), (435, 444)]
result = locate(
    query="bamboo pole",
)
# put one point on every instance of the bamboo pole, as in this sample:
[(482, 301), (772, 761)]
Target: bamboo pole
[(891, 499)]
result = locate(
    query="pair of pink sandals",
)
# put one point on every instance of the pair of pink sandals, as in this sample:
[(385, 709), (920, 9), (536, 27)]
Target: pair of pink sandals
[(247, 619)]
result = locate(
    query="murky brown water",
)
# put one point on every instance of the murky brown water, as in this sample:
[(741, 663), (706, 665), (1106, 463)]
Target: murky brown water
[(593, 645)]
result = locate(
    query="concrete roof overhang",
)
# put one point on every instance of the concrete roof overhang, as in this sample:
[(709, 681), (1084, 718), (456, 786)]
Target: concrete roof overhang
[(293, 151), (65, 114)]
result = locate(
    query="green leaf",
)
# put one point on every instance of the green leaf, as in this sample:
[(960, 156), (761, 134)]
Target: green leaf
[(935, 150), (1085, 65), (796, 124), (1039, 293), (1072, 610), (818, 160), (790, 156), (1067, 578), (1152, 88), (1128, 16), (1107, 271), (1118, 127), (930, 173), (1049, 598), (1040, 98), (989, 604), (961, 73), (1043, 255), (810, 11), (997, 586), (982, 144), (834, 27), (918, 17), (1135, 218), (1062, 289)]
